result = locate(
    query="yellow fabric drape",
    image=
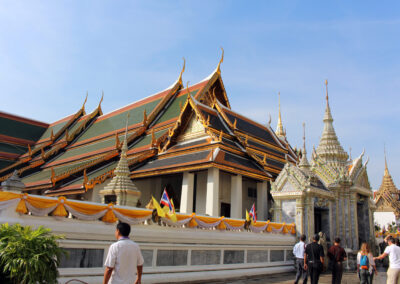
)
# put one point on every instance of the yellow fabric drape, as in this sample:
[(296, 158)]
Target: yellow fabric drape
[(137, 213), (5, 195), (86, 208), (109, 217), (91, 209), (41, 203), (259, 224), (209, 220), (21, 207), (234, 223), (60, 209)]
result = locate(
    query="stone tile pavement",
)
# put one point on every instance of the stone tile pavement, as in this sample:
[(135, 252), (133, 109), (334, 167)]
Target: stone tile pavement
[(288, 278)]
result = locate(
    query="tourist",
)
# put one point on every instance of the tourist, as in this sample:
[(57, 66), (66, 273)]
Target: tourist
[(314, 259), (298, 252), (366, 264), (124, 259), (337, 255), (393, 252)]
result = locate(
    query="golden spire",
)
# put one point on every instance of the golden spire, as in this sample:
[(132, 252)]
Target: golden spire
[(386, 166), (279, 128), (220, 61)]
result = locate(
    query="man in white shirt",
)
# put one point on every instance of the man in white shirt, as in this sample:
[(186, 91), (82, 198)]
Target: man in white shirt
[(298, 252), (393, 251), (124, 259)]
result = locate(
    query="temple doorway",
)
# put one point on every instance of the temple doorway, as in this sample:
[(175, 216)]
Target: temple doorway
[(225, 209), (363, 220), (321, 221)]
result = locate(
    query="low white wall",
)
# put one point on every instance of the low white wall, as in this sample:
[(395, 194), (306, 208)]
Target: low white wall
[(171, 254), (384, 218)]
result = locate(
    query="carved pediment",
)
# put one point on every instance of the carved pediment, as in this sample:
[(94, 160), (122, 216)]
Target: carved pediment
[(361, 179), (194, 129)]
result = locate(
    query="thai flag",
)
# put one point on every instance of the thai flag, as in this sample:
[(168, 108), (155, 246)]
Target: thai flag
[(165, 201), (252, 213)]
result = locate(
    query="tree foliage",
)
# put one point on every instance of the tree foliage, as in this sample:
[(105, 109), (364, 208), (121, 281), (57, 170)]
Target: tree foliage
[(29, 256)]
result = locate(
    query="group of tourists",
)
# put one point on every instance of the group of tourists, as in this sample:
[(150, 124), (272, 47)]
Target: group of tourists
[(310, 261), (125, 254)]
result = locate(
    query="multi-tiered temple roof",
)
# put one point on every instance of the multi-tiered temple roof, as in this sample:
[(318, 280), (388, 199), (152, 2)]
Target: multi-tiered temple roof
[(387, 198), (82, 150)]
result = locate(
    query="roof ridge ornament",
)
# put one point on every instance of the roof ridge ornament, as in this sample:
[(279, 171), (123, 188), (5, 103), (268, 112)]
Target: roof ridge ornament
[(280, 132), (183, 70), (220, 61), (101, 100), (84, 102), (304, 162)]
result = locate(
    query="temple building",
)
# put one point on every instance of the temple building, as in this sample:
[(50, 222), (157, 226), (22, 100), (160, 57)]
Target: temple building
[(330, 194), (187, 140), (387, 200), (17, 135)]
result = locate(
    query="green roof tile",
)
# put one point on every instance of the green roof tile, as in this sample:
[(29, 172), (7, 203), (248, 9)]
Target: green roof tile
[(20, 129), (11, 148), (5, 163), (173, 109), (117, 121)]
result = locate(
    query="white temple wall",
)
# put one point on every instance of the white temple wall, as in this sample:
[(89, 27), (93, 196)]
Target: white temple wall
[(148, 187), (225, 187), (93, 194), (288, 211), (201, 191), (384, 218)]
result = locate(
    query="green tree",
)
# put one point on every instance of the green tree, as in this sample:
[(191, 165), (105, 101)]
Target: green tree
[(29, 256)]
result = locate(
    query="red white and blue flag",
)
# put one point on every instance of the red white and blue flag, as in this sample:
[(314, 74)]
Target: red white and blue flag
[(166, 201), (252, 213)]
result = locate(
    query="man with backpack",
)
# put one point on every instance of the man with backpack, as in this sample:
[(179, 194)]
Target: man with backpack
[(336, 255), (393, 251), (314, 259)]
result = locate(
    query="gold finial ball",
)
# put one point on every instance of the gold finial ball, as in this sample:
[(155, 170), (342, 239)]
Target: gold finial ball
[(326, 82)]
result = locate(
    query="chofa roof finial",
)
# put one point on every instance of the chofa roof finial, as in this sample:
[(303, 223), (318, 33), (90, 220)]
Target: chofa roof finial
[(183, 70), (220, 61)]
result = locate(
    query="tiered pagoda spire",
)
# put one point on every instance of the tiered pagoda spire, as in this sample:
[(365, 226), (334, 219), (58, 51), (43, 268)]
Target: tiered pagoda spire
[(329, 149), (304, 164), (387, 184), (388, 191), (121, 184), (280, 132)]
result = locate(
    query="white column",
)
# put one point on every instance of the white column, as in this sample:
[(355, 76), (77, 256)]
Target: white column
[(262, 200), (236, 197), (212, 202), (187, 193)]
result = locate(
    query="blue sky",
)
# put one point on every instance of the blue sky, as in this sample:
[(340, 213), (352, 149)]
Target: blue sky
[(52, 52)]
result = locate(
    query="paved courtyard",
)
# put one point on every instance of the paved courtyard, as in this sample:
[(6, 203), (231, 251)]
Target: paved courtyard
[(288, 278)]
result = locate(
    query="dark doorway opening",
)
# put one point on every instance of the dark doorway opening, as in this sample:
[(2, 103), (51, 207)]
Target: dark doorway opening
[(321, 221), (225, 209)]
